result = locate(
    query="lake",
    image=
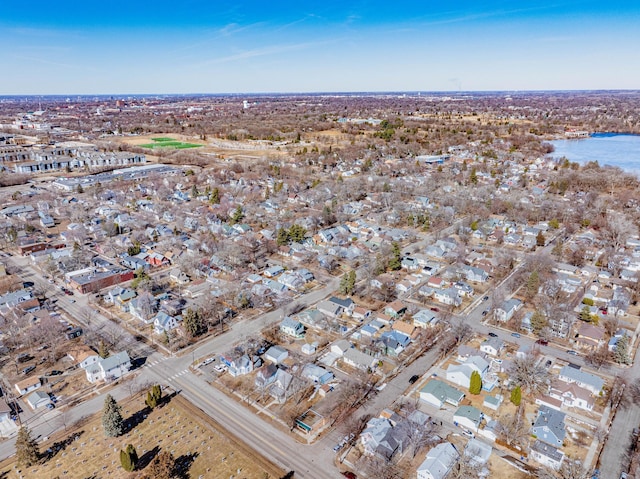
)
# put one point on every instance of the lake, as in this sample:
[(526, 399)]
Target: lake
[(606, 148)]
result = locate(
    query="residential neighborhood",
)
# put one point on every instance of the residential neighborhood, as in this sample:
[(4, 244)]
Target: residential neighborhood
[(463, 312)]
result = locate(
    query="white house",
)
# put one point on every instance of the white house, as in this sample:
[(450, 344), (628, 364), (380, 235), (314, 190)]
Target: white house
[(163, 322), (547, 455), (583, 379), (292, 328), (468, 417), (276, 354), (438, 462), (38, 399), (109, 369), (27, 385), (507, 309), (437, 393), (492, 346)]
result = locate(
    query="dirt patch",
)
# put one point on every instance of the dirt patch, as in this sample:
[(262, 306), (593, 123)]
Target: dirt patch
[(193, 438)]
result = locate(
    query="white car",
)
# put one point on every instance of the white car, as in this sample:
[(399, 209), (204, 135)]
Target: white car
[(220, 368)]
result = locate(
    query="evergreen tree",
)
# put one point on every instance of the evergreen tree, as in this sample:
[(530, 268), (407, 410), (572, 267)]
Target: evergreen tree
[(194, 192), (473, 177), (585, 314), (154, 396), (129, 458), (27, 450), (395, 263), (193, 323), (475, 384), (540, 239), (237, 215), (103, 350), (282, 237), (538, 321), (516, 396), (297, 233), (214, 199), (621, 352), (533, 283), (112, 417), (348, 283)]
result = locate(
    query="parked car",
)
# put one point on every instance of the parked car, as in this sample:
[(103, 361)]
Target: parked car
[(485, 312), (51, 406), (24, 357), (55, 372), (349, 475), (542, 342), (485, 298), (515, 335), (413, 378), (208, 361), (572, 352), (467, 433), (435, 309), (493, 335), (28, 369)]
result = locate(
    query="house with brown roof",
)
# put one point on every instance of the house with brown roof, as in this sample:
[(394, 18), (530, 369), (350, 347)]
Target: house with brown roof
[(82, 355), (589, 336), (407, 328), (27, 385)]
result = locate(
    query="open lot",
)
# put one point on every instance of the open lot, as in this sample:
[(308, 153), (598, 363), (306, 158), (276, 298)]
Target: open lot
[(165, 142), (195, 440)]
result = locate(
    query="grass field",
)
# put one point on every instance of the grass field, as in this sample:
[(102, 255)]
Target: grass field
[(166, 142), (197, 442)]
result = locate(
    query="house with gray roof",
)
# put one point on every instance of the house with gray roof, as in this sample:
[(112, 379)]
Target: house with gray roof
[(469, 417), (109, 369), (507, 309), (292, 327), (583, 379), (439, 462), (547, 455), (549, 426), (437, 393)]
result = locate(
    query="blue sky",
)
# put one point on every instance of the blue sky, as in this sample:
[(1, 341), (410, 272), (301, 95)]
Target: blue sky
[(220, 46)]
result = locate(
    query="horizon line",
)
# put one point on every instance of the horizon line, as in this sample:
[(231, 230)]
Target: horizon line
[(319, 93)]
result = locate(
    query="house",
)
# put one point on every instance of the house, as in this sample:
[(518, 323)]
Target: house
[(384, 436), (361, 313), (179, 277), (347, 304), (340, 347), (460, 374), (549, 426), (589, 337), (476, 275), (280, 385), (439, 461), (492, 346), (27, 385), (37, 399), (493, 402), (265, 376), (547, 455), (507, 309), (583, 379), (109, 369), (276, 354), (241, 366), (329, 308), (449, 296), (437, 393), (317, 374), (572, 395), (394, 342), (478, 452), (403, 327), (468, 417), (395, 309), (425, 318), (82, 356), (163, 322), (357, 359), (292, 328)]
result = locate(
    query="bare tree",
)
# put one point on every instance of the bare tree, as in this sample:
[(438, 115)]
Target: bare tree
[(528, 373)]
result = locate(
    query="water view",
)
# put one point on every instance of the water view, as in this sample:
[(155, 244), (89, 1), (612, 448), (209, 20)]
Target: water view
[(605, 148)]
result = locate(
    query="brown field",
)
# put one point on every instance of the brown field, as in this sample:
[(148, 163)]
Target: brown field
[(193, 438)]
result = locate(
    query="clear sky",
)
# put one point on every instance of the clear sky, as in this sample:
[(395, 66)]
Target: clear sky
[(241, 46)]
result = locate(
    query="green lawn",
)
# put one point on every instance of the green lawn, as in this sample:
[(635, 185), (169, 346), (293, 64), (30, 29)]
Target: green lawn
[(165, 142)]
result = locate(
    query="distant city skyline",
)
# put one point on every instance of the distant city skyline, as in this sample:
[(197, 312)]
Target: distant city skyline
[(73, 47)]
